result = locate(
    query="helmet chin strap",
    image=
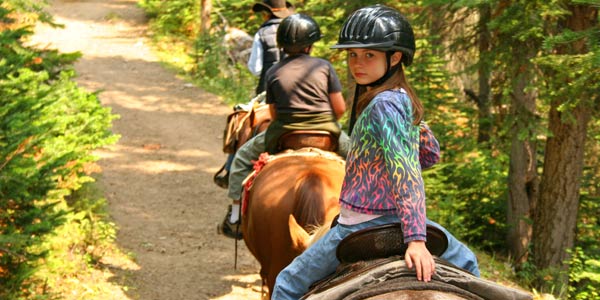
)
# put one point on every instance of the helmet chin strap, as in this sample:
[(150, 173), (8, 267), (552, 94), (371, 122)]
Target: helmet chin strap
[(389, 72)]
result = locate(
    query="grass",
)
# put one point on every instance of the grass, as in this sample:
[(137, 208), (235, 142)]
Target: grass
[(83, 259)]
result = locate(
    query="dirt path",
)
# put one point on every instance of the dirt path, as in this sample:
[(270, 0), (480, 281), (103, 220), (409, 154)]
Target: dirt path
[(158, 178)]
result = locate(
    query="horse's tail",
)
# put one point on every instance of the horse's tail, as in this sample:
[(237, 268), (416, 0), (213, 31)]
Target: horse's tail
[(310, 209)]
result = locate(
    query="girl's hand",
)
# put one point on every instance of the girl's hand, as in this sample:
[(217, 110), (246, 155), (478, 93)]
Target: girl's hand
[(418, 255)]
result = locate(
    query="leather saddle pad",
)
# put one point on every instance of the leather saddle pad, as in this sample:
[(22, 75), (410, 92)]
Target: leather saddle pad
[(385, 241)]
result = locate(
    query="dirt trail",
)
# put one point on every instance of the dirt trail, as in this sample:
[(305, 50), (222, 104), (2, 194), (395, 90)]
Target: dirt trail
[(158, 178)]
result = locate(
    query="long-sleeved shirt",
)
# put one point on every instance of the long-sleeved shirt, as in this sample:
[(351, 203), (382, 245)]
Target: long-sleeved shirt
[(255, 62), (383, 174)]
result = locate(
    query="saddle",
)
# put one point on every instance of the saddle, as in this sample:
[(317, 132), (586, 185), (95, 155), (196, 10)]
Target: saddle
[(298, 139), (245, 122), (385, 241)]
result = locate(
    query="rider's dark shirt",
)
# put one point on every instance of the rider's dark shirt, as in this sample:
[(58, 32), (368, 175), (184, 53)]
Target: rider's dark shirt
[(299, 88), (302, 84)]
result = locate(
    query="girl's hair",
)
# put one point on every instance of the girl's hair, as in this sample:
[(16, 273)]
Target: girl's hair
[(397, 80)]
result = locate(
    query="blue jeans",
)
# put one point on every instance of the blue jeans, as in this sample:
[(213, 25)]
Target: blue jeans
[(319, 260)]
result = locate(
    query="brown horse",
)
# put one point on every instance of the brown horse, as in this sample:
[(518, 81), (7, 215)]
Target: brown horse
[(293, 194), (243, 124)]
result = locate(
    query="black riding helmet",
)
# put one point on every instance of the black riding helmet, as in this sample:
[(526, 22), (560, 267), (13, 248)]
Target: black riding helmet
[(380, 28), (297, 32)]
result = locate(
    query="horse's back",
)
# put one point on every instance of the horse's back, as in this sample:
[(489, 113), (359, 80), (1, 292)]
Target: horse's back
[(416, 295)]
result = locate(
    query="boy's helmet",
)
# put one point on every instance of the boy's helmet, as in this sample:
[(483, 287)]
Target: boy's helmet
[(378, 27), (297, 31)]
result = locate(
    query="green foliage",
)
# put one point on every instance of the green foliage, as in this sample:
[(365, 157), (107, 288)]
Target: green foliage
[(584, 276), (237, 14), (469, 198), (218, 73), (466, 191), (48, 128), (176, 17), (547, 281), (79, 250)]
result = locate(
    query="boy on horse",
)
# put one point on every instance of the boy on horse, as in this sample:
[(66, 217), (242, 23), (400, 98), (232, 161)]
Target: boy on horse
[(303, 93)]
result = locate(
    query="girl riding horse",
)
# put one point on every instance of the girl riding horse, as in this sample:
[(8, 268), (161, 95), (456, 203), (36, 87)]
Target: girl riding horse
[(383, 182)]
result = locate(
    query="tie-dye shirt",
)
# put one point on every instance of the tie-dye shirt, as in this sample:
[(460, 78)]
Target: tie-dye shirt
[(383, 175)]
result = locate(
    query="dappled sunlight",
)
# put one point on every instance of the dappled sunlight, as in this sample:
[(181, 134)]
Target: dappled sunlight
[(155, 99), (118, 69), (243, 278), (157, 179), (241, 284), (121, 32), (115, 151), (151, 160), (159, 166)]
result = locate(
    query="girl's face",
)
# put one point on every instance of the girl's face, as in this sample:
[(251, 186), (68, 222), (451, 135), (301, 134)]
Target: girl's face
[(367, 65)]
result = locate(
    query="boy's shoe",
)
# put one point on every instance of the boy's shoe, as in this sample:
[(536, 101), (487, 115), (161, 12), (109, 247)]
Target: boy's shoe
[(228, 229), (222, 180)]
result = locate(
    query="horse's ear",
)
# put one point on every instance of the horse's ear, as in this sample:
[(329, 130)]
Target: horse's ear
[(298, 235)]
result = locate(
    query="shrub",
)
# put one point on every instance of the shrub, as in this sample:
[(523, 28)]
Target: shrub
[(48, 128)]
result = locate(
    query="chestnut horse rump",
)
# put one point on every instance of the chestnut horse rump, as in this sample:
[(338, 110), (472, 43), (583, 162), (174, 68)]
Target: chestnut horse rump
[(297, 155)]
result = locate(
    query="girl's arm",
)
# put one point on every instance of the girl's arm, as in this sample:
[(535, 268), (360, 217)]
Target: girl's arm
[(399, 143)]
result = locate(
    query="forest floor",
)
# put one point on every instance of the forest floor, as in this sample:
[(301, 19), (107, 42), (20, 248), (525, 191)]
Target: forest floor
[(158, 178)]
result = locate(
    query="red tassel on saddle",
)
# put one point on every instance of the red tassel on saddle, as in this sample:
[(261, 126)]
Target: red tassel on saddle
[(258, 165)]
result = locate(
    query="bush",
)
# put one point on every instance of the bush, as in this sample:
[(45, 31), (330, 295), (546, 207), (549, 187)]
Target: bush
[(48, 128)]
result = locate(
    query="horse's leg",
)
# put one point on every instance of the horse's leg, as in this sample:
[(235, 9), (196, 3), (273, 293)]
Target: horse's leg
[(265, 294), (264, 289)]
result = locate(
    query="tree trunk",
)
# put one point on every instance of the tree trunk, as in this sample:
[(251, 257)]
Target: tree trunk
[(483, 72), (482, 97), (556, 213), (523, 180), (205, 9)]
